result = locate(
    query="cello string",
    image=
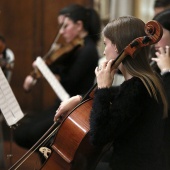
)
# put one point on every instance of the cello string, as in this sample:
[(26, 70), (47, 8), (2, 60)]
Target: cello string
[(35, 149), (27, 155), (53, 46), (37, 144)]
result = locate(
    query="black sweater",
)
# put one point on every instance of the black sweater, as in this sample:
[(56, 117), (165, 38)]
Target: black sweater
[(76, 69), (134, 122), (166, 81)]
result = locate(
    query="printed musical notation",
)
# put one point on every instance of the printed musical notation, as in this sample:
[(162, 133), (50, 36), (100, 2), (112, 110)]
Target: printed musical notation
[(8, 103)]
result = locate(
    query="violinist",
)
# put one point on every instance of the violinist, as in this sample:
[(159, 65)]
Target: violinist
[(132, 119), (162, 60), (74, 70), (6, 58)]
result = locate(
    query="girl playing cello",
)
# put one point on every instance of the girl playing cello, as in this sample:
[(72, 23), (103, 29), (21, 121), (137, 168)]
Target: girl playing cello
[(133, 118)]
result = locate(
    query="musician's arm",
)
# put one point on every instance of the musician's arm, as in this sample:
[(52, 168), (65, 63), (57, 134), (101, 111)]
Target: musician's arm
[(67, 106)]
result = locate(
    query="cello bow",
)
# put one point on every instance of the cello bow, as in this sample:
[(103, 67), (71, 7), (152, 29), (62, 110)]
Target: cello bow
[(71, 148)]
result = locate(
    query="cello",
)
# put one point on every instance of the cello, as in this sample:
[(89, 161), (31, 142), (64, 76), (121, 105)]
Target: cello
[(71, 148)]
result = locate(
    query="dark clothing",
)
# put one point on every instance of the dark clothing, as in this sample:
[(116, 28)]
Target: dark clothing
[(76, 70), (133, 121), (166, 80)]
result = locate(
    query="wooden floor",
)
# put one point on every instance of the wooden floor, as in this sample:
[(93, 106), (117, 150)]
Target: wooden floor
[(12, 153)]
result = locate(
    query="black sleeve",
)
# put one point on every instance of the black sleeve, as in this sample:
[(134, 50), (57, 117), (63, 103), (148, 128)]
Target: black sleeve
[(83, 66), (166, 81), (111, 115)]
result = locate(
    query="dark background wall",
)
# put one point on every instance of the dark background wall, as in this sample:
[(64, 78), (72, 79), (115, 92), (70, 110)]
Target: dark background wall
[(30, 27)]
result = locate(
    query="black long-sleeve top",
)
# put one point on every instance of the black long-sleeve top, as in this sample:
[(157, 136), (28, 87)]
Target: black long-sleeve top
[(76, 69), (166, 81), (133, 121)]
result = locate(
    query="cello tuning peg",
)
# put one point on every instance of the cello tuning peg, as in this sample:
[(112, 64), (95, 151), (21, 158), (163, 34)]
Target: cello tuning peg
[(134, 44), (146, 40)]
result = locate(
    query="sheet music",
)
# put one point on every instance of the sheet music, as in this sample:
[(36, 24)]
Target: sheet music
[(49, 76), (8, 103)]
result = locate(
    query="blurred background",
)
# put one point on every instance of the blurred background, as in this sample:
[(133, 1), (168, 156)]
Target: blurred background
[(30, 27)]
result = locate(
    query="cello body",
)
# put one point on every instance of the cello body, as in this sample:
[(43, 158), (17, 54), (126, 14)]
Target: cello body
[(71, 147)]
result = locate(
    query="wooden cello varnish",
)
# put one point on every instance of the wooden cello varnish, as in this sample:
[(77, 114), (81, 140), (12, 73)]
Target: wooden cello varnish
[(72, 149)]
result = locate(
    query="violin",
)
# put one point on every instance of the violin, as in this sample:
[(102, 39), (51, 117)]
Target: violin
[(56, 51), (63, 50), (71, 148)]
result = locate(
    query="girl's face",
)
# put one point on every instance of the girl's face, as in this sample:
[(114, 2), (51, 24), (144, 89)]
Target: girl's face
[(110, 51), (164, 41), (70, 30)]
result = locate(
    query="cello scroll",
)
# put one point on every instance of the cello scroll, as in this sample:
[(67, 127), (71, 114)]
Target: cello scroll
[(153, 32), (74, 127)]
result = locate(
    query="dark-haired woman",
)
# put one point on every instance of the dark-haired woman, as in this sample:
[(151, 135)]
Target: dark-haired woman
[(74, 70)]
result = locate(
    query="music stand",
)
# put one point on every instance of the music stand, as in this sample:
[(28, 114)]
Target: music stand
[(9, 107)]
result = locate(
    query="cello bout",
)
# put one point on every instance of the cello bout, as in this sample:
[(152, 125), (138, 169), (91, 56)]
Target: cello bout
[(72, 149)]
